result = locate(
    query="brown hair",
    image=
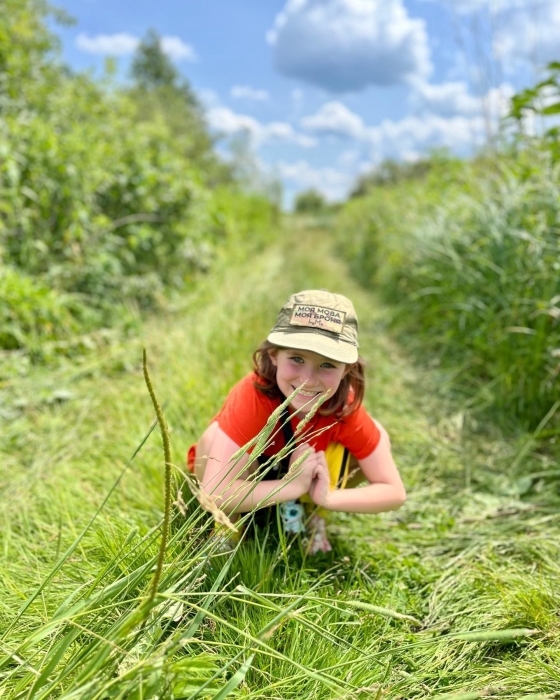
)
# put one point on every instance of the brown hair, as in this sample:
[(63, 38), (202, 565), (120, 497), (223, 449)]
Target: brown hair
[(347, 399)]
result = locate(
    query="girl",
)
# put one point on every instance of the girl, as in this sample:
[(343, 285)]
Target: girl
[(311, 354)]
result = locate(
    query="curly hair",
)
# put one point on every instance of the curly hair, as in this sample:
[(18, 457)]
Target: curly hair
[(347, 399)]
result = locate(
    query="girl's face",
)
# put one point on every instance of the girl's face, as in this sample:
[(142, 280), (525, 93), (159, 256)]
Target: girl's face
[(294, 367)]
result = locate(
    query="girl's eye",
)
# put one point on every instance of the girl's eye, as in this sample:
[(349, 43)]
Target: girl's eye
[(327, 365), (296, 358)]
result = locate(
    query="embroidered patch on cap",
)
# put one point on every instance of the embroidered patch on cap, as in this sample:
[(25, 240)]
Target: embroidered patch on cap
[(318, 317)]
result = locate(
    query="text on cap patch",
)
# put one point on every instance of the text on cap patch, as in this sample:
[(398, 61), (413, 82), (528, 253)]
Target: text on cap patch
[(318, 317)]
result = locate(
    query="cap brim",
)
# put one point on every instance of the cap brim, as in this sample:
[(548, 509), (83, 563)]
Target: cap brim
[(332, 348)]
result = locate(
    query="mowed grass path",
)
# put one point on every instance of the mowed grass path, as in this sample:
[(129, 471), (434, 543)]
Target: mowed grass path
[(466, 554)]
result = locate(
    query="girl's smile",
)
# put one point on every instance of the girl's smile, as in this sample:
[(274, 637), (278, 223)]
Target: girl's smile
[(318, 374)]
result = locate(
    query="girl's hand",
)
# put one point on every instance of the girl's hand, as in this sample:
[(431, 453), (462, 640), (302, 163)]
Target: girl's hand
[(300, 478), (319, 488)]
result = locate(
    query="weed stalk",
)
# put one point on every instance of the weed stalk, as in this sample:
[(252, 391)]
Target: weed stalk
[(167, 488)]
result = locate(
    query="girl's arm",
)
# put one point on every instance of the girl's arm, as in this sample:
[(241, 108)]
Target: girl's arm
[(236, 493), (385, 490)]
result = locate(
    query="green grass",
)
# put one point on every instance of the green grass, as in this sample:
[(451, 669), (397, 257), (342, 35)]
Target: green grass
[(474, 271), (474, 549)]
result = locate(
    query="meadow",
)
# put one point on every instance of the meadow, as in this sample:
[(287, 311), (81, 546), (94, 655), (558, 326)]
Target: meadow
[(454, 595), (111, 585)]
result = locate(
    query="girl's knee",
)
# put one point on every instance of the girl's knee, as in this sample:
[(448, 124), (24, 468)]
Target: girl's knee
[(203, 448)]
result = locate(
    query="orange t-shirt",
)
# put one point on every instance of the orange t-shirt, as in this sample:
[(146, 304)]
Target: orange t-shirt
[(246, 410)]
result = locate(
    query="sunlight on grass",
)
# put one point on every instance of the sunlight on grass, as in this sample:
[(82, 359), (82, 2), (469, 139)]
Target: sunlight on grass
[(455, 595)]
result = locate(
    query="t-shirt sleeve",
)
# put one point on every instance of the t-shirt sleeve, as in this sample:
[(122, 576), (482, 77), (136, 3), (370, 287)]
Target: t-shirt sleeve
[(359, 433), (245, 412)]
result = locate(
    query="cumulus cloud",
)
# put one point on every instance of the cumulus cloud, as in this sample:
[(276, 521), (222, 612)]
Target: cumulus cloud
[(522, 31), (349, 158), (447, 116), (229, 122), (249, 93), (176, 49), (495, 7), (413, 134), (121, 44), (452, 98), (331, 182), (336, 119), (208, 97), (113, 44), (346, 45), (529, 34)]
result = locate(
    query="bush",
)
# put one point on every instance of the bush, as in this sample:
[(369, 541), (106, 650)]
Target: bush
[(309, 202), (30, 313), (105, 196)]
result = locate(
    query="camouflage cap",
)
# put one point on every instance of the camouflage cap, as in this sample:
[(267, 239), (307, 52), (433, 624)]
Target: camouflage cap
[(318, 321)]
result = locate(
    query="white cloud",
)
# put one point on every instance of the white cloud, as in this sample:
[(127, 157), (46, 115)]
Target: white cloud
[(113, 44), (245, 91), (494, 7), (462, 124), (445, 98), (331, 182), (519, 31), (176, 49), (229, 122), (447, 115), (452, 98), (336, 119), (530, 35), (208, 97), (345, 45), (122, 44), (349, 158), (406, 138)]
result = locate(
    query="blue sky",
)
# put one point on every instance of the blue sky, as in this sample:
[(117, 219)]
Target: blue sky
[(326, 89)]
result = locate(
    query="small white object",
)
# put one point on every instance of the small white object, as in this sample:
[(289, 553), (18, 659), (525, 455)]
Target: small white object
[(291, 513)]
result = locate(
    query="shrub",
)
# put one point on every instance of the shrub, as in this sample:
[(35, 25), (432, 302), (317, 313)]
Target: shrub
[(30, 313)]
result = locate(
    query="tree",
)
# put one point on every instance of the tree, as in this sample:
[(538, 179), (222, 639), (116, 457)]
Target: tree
[(309, 202), (151, 70), (162, 94)]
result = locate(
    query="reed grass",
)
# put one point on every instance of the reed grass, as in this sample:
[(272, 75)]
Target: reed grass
[(473, 273)]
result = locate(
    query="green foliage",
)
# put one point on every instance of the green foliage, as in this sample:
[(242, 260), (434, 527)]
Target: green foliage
[(378, 222), (482, 286), (309, 202), (468, 556), (542, 100), (106, 196), (151, 68), (161, 95), (472, 265), (25, 43), (391, 172), (31, 313), (95, 205)]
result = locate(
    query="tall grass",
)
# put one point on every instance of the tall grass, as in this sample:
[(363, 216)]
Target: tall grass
[(477, 280), (456, 593)]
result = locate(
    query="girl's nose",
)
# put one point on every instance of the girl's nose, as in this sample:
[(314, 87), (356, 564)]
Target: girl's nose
[(308, 375)]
